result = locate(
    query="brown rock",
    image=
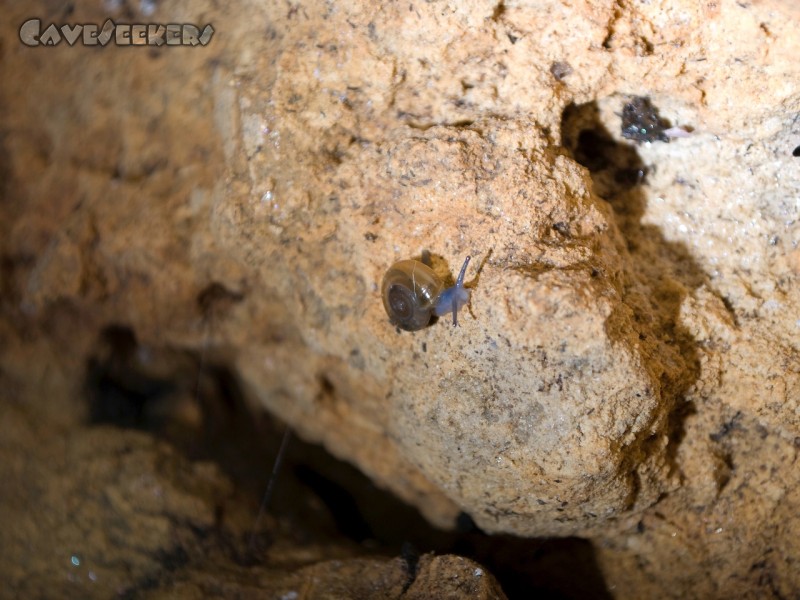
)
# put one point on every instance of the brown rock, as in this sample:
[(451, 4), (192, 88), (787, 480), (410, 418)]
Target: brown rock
[(101, 513), (628, 367)]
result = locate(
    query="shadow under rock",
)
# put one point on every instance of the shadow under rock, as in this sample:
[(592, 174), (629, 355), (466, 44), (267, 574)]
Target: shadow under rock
[(323, 498), (664, 272)]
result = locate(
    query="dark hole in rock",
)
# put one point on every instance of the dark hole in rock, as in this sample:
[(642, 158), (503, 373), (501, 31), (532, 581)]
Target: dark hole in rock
[(118, 391), (324, 498), (617, 169), (342, 506), (465, 524), (594, 150), (217, 298)]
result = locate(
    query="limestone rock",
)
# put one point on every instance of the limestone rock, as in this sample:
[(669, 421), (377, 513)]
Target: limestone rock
[(632, 337)]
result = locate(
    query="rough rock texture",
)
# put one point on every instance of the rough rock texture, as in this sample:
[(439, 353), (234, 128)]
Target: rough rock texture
[(629, 367), (100, 513)]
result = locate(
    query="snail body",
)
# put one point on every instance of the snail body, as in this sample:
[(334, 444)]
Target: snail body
[(412, 294)]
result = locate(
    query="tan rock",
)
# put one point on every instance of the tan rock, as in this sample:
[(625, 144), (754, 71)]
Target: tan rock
[(628, 367)]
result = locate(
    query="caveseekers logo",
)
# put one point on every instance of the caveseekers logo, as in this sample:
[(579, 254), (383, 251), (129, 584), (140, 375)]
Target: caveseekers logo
[(122, 34)]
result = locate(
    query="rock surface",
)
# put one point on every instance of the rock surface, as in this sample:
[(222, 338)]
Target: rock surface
[(628, 370), (101, 513)]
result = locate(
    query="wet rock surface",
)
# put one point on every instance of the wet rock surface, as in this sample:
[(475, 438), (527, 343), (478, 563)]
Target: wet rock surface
[(626, 371)]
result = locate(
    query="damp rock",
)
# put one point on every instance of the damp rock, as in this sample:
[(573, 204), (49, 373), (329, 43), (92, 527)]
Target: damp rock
[(627, 370)]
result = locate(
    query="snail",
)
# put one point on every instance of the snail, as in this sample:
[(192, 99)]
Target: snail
[(413, 294)]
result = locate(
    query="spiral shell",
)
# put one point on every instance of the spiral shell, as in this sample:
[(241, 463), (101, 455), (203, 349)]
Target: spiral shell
[(410, 290)]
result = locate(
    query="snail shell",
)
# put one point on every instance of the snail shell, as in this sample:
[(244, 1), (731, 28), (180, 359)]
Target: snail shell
[(410, 290), (412, 293)]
